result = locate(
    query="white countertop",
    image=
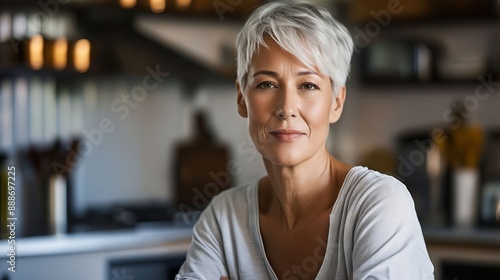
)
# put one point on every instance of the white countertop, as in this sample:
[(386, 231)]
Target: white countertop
[(97, 241)]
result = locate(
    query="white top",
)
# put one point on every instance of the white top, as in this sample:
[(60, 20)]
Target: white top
[(374, 234)]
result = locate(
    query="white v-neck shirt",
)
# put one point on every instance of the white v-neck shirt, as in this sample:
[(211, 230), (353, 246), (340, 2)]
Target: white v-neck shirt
[(374, 233)]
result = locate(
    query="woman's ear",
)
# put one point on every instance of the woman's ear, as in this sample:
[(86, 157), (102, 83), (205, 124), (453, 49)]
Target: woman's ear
[(337, 105), (242, 105)]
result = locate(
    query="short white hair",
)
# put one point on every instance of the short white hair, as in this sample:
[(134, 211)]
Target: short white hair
[(306, 31)]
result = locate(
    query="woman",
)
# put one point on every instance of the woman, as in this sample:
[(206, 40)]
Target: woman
[(312, 216)]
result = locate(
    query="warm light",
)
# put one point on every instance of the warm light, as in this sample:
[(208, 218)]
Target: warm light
[(36, 52), (82, 55), (157, 6), (60, 53), (498, 210), (127, 4), (183, 5)]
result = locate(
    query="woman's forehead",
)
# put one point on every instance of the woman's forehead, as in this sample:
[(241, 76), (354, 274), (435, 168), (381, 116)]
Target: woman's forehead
[(273, 57)]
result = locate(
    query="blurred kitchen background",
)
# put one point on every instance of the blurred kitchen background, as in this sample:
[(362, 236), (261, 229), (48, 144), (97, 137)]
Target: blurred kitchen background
[(120, 119)]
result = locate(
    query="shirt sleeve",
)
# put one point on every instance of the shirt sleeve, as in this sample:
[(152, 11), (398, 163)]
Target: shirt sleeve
[(388, 240), (205, 257)]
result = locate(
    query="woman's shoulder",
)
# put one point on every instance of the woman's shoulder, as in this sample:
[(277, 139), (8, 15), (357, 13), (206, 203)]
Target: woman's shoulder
[(363, 183), (370, 196), (232, 208), (366, 175)]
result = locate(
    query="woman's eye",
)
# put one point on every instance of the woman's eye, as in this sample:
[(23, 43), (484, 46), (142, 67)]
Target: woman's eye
[(309, 86), (265, 85)]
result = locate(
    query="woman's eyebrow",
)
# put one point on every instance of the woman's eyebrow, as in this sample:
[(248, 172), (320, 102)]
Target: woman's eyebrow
[(274, 74), (304, 73), (265, 72)]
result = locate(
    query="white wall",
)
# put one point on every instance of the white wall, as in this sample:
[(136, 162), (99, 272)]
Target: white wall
[(130, 162)]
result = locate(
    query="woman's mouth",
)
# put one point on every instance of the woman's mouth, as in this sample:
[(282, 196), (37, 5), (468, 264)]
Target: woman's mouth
[(286, 135)]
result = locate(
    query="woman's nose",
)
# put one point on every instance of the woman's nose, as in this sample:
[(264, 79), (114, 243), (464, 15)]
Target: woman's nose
[(286, 105)]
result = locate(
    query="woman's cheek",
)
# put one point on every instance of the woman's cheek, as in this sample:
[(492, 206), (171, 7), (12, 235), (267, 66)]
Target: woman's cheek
[(317, 111), (259, 116), (259, 109)]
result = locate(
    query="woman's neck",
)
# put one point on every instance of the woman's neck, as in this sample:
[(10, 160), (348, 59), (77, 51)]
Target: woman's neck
[(297, 194)]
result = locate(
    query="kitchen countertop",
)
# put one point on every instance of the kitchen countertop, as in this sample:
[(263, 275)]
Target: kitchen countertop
[(86, 242)]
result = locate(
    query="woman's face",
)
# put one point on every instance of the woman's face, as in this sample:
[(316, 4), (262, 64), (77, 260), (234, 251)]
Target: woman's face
[(289, 106)]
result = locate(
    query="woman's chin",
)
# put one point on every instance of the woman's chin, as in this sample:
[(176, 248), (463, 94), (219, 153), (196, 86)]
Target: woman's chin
[(290, 155), (289, 159)]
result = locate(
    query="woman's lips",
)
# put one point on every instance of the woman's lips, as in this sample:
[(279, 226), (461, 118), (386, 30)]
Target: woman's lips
[(286, 135)]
